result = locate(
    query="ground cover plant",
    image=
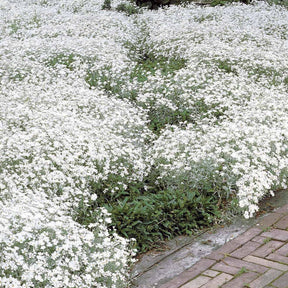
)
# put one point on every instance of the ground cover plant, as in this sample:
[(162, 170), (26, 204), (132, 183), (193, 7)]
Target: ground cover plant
[(121, 127)]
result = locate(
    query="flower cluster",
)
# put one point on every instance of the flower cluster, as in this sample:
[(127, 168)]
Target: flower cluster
[(95, 96), (237, 70), (43, 247), (57, 137)]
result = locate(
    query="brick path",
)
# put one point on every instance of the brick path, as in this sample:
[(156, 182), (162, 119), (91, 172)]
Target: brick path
[(258, 258)]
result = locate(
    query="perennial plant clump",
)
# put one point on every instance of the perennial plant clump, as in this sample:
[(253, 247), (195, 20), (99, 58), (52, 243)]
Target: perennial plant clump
[(124, 110)]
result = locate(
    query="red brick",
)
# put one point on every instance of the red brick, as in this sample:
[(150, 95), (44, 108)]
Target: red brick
[(278, 258), (218, 281), (229, 247), (189, 274), (281, 282), (225, 268), (266, 263), (267, 248), (282, 223), (282, 210), (170, 284), (259, 239), (277, 234), (245, 249), (239, 241), (265, 278), (239, 281), (201, 266), (248, 235), (248, 265), (178, 281), (268, 220), (197, 282), (215, 255), (283, 250), (210, 273)]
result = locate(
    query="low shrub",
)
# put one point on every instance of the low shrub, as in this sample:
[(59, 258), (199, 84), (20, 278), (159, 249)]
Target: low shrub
[(153, 218), (40, 246), (152, 213), (128, 9), (106, 5)]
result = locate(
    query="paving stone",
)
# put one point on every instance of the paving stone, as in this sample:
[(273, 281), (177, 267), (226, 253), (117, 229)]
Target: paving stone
[(245, 249), (266, 278), (218, 281), (268, 220), (267, 248), (266, 263), (278, 258), (239, 241), (179, 280), (259, 239), (229, 247), (225, 268), (248, 265), (239, 281), (201, 266), (277, 234), (215, 255), (281, 282), (283, 250), (282, 210), (210, 273), (248, 235), (197, 282), (263, 261), (171, 284), (282, 223), (189, 274)]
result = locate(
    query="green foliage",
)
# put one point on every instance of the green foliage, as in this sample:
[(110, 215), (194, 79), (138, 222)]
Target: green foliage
[(158, 115), (155, 4), (107, 5), (278, 2), (161, 116), (151, 213), (149, 63), (203, 18), (105, 80), (62, 59), (155, 217), (35, 21), (15, 26), (128, 9), (17, 76), (226, 66), (275, 77), (266, 240), (224, 2), (241, 271), (146, 211)]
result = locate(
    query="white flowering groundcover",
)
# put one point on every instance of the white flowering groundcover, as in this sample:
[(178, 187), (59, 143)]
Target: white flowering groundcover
[(76, 102)]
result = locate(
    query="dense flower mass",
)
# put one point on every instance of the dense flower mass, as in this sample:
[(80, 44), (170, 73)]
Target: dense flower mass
[(93, 96)]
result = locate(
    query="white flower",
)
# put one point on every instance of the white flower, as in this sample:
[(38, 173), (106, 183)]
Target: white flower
[(93, 197), (58, 137)]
